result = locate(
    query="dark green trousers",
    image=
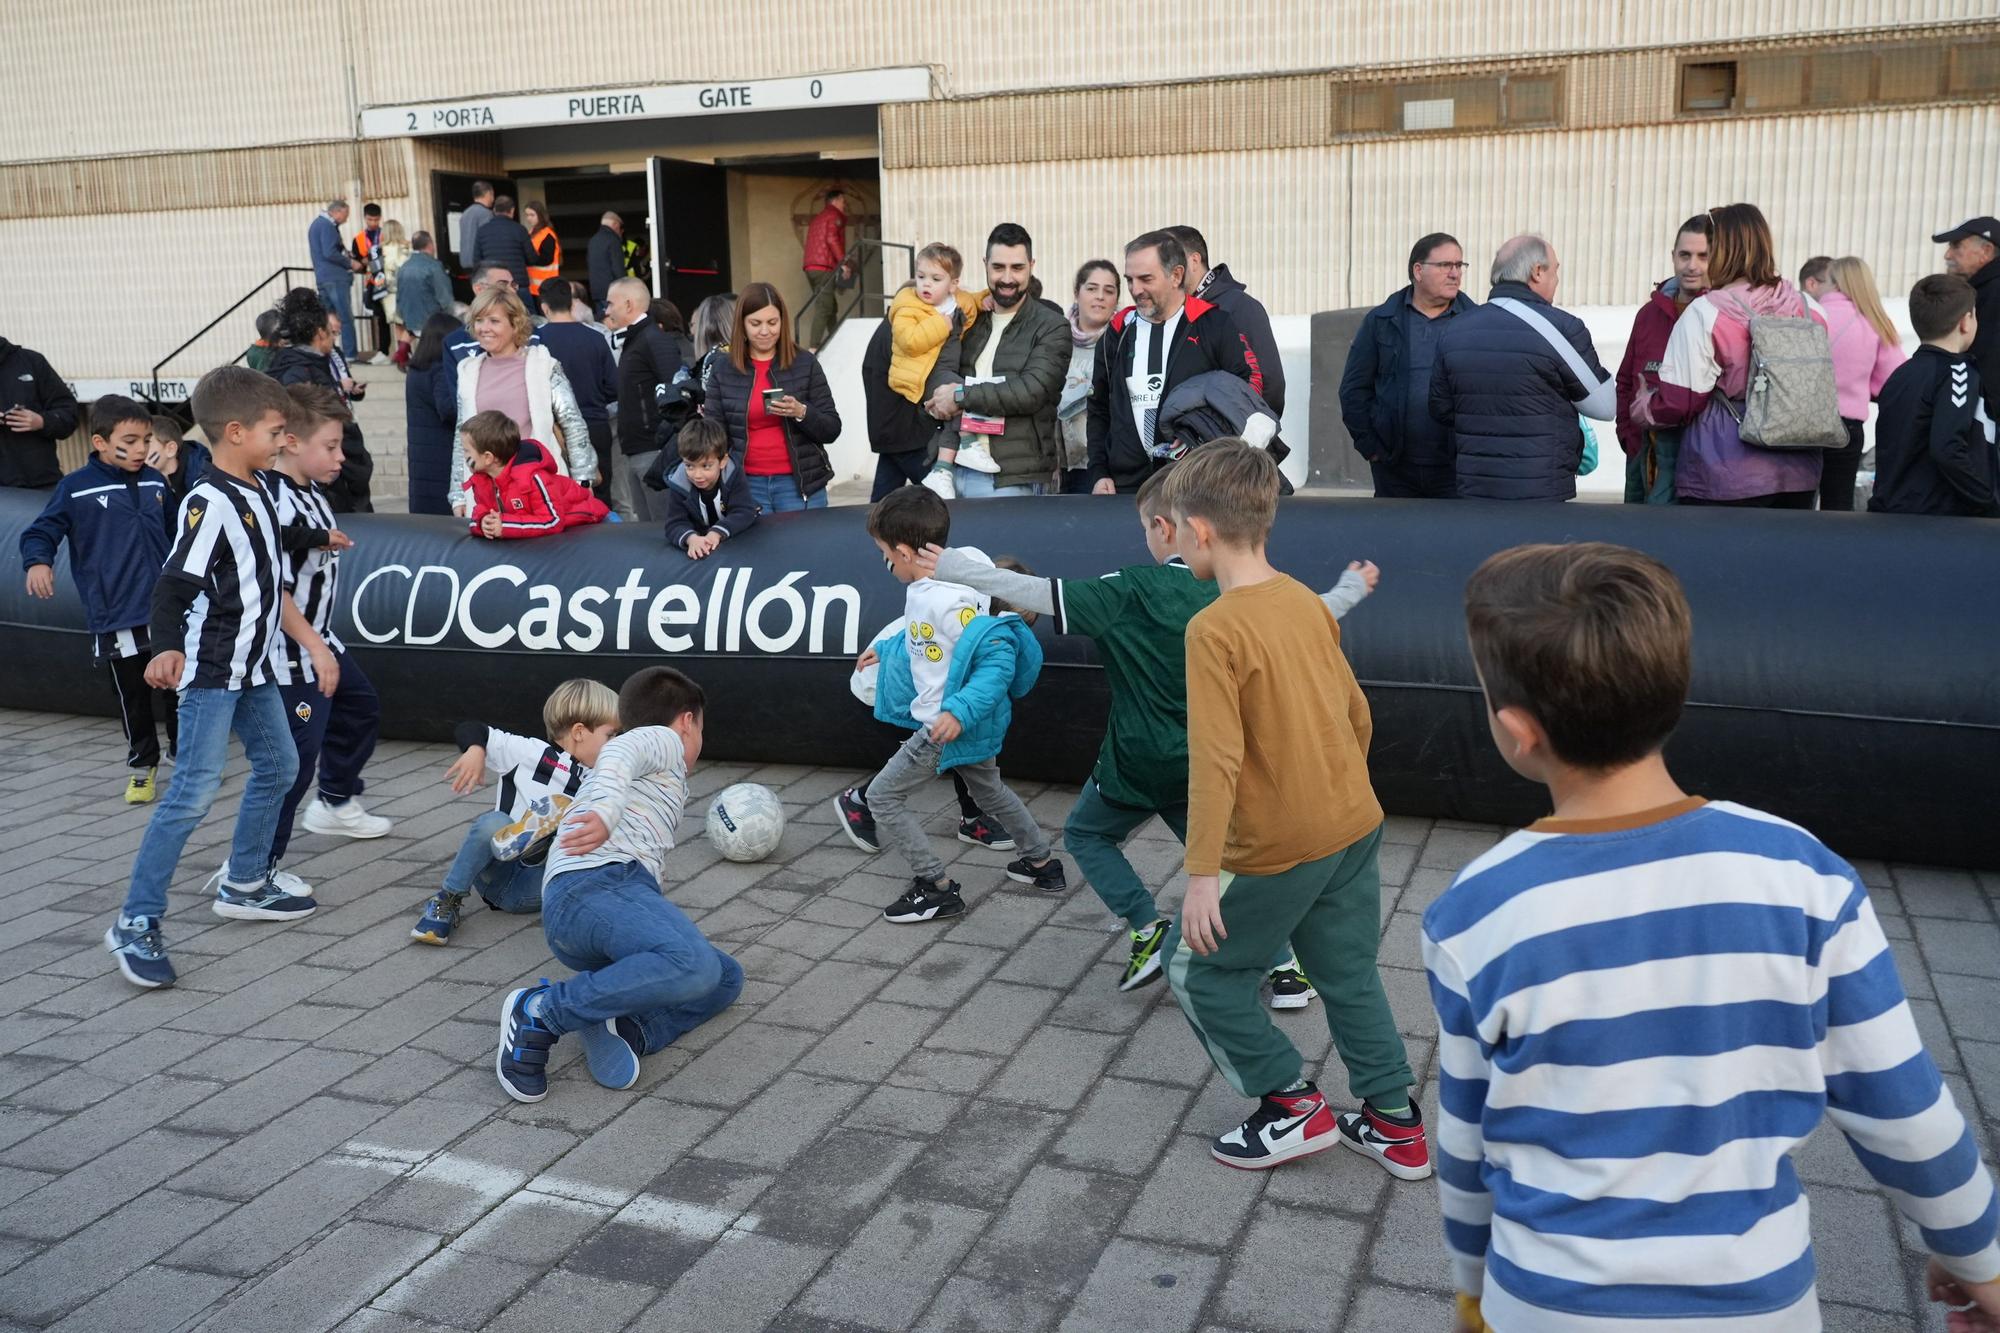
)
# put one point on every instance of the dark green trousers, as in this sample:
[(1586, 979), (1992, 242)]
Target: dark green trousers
[(1330, 912)]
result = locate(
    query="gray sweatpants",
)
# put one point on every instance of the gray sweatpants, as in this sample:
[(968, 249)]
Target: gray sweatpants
[(913, 766)]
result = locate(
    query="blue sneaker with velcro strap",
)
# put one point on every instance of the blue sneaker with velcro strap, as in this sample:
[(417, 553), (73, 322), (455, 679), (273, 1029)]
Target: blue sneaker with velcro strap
[(525, 1041)]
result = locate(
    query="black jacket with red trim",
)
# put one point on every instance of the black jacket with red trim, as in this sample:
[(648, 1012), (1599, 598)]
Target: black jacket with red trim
[(1206, 339)]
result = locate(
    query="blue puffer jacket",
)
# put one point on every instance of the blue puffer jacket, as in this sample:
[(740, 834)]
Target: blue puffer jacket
[(1510, 402), (995, 662), (116, 525)]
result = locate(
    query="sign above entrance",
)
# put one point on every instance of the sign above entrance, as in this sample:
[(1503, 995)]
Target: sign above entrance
[(585, 105)]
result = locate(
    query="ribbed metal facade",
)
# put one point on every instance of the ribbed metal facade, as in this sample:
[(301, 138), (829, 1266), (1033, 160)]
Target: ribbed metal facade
[(1331, 226), (107, 77)]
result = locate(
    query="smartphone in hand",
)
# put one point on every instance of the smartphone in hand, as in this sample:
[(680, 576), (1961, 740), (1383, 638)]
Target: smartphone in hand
[(771, 396)]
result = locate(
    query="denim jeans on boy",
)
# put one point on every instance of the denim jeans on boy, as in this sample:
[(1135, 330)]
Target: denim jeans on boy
[(257, 715), (780, 495), (911, 768), (339, 298), (973, 485), (507, 886), (636, 956), (335, 740)]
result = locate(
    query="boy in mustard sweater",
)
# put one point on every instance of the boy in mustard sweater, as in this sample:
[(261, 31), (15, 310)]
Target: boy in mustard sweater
[(1282, 835), (922, 318)]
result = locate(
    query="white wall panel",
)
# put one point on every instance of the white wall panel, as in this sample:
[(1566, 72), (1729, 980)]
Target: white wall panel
[(105, 77)]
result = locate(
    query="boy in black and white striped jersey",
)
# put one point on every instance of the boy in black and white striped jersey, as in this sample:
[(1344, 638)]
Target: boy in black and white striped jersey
[(217, 612), (335, 737)]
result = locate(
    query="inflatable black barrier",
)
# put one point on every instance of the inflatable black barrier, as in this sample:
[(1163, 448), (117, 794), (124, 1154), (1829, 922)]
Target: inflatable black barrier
[(1847, 666)]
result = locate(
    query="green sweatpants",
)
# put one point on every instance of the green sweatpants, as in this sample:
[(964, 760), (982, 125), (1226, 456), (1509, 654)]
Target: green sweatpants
[(1330, 911), (1095, 835)]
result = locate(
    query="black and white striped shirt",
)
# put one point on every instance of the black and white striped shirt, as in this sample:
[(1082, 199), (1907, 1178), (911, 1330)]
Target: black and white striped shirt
[(226, 545), (311, 574)]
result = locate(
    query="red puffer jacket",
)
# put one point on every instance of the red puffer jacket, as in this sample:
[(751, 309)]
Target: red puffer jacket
[(826, 240), (531, 497)]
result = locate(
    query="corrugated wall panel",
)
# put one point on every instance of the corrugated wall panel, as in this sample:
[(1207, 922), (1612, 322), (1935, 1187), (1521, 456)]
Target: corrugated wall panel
[(1319, 228), (1112, 122), (162, 182), (1874, 184), (138, 76), (980, 48), (1275, 216)]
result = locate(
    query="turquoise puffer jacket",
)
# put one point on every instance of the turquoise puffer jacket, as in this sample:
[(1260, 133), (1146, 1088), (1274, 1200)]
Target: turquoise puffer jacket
[(996, 661)]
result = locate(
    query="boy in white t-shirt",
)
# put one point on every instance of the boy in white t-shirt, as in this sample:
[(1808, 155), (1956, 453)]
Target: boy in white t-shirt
[(963, 738)]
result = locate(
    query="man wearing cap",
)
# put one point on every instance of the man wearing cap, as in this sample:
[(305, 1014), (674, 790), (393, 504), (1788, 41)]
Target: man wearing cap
[(1969, 251)]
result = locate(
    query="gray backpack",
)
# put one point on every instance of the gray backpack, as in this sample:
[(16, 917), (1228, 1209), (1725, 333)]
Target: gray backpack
[(1789, 401)]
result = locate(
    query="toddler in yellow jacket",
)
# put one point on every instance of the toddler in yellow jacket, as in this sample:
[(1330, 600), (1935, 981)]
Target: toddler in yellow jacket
[(920, 319)]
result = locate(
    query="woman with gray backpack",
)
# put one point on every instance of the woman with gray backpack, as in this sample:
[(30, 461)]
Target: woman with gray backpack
[(1748, 372)]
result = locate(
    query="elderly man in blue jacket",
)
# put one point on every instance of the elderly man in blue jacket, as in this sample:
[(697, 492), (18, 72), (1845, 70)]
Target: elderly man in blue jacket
[(1511, 380)]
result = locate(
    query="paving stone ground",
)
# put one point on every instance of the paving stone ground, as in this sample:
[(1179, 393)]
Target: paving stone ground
[(959, 1127)]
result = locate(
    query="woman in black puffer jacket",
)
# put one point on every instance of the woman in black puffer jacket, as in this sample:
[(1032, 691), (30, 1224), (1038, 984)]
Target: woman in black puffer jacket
[(308, 337), (780, 445)]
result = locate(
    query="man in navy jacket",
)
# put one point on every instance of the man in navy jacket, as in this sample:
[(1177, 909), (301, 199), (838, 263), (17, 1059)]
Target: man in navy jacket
[(1508, 396), (1385, 392)]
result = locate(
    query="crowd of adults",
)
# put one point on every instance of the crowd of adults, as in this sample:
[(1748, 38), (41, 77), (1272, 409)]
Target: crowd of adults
[(1448, 398), (1445, 397)]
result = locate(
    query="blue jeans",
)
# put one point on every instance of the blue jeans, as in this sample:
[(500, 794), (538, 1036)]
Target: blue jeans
[(979, 485), (780, 495), (636, 956), (507, 886), (257, 715), (335, 739), (339, 298)]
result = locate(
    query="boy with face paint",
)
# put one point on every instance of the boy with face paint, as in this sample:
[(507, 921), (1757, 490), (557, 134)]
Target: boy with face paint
[(112, 511)]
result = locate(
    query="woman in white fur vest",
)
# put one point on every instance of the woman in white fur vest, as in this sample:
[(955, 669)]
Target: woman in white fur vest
[(507, 373)]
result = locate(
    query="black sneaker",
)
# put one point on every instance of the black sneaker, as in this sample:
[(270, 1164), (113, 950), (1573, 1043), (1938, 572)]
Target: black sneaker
[(855, 821), (1048, 877), (142, 955), (1289, 987), (523, 1059), (1146, 965), (262, 902), (982, 834), (927, 900)]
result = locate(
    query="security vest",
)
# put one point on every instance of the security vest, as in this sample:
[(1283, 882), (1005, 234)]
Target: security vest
[(630, 253), (540, 273)]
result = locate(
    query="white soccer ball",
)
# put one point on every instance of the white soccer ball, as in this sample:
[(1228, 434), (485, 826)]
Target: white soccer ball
[(746, 822)]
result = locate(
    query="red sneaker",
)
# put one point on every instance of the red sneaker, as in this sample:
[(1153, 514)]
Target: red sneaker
[(1397, 1142), (1287, 1125)]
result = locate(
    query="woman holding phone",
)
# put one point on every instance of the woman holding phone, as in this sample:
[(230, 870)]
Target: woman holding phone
[(771, 396)]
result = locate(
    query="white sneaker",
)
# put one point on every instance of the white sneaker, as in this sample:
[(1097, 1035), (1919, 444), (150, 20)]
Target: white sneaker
[(289, 882), (973, 453), (938, 482), (282, 880), (348, 819)]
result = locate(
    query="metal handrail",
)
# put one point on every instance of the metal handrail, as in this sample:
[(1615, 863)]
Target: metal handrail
[(862, 245), (283, 274)]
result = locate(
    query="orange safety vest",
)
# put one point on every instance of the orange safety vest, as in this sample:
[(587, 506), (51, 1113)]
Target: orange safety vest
[(539, 274)]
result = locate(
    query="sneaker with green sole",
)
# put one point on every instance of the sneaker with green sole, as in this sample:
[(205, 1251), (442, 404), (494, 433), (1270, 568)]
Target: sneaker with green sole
[(1146, 964)]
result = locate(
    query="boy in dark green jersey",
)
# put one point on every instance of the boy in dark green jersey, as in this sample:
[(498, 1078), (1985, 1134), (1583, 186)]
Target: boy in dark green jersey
[(1138, 617)]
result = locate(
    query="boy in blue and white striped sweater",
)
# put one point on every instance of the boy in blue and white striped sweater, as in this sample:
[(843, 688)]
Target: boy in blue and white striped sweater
[(1647, 1000)]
